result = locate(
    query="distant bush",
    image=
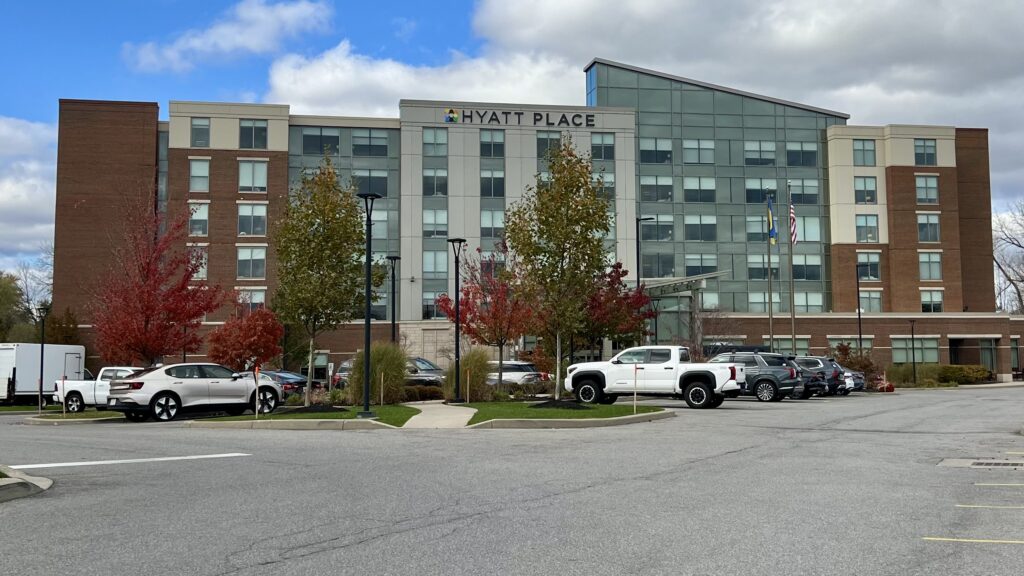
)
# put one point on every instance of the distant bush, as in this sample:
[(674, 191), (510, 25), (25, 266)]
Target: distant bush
[(948, 374), (903, 374), (420, 393), (294, 400), (965, 374), (517, 391), (386, 359), (473, 381)]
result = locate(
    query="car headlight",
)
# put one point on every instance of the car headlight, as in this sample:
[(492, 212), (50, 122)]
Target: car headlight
[(570, 369)]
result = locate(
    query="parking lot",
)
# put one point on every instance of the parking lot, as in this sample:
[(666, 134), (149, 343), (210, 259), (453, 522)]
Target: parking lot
[(840, 485)]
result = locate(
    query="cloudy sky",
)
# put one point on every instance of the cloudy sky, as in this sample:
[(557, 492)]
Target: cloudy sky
[(950, 62)]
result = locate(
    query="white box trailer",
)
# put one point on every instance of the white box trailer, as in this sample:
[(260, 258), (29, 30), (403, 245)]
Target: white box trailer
[(19, 369)]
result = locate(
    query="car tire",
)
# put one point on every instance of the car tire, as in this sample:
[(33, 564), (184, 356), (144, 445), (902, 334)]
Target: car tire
[(698, 395), (165, 407), (133, 416), (765, 391), (74, 403), (268, 400), (588, 392), (718, 401), (608, 399)]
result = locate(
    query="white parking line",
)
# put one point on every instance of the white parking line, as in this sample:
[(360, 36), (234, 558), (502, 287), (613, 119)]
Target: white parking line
[(135, 461)]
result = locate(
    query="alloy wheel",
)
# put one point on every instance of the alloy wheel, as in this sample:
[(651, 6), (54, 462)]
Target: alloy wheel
[(165, 408), (268, 401)]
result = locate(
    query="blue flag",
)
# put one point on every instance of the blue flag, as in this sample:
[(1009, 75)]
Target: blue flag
[(773, 232)]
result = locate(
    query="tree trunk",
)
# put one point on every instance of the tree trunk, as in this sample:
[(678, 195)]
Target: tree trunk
[(309, 372), (558, 365)]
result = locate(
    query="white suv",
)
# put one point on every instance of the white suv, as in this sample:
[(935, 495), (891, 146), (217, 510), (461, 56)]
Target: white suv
[(165, 391)]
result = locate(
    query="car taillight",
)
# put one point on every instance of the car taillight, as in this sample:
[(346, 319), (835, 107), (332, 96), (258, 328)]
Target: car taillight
[(835, 374), (792, 373), (732, 372), (135, 385)]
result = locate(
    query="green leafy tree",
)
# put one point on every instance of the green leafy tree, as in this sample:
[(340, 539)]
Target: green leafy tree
[(320, 246), (557, 231), (12, 309)]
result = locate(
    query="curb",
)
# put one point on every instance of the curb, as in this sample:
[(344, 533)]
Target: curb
[(309, 424), (19, 485), (37, 421), (541, 423)]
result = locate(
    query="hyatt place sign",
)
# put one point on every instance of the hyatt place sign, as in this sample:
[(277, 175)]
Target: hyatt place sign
[(508, 118)]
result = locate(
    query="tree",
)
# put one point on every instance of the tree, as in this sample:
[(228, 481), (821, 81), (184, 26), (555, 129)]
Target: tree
[(148, 304), (12, 308), (248, 341), (494, 305), (1009, 257), (320, 246), (62, 328), (557, 231), (614, 311)]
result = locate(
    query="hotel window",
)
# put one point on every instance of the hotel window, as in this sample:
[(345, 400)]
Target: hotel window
[(379, 225), (924, 152), (871, 301), (698, 189), (698, 151), (656, 150), (758, 189), (807, 267), (655, 188), (252, 134), (371, 181), (756, 302), (757, 228), (701, 228), (927, 227), (660, 229), (435, 223), (199, 219), (708, 300), (759, 153), (252, 263), (864, 190), (927, 189), (200, 256), (492, 223), (251, 300), (926, 350), (757, 269), (547, 141), (868, 267), (658, 265), (610, 235), (430, 311), (379, 307), (808, 229), (435, 182), (602, 146), (931, 300), (200, 136), (492, 183), (321, 141), (199, 176), (252, 176), (867, 228), (701, 264), (930, 264), (252, 219), (366, 142), (866, 341), (435, 263), (808, 302), (803, 191), (492, 143), (863, 152), (604, 182), (435, 141), (801, 153)]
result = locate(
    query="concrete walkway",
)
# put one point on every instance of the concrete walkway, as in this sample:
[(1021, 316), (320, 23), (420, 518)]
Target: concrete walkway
[(437, 414)]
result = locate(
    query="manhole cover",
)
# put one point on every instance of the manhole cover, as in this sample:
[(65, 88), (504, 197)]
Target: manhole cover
[(989, 463)]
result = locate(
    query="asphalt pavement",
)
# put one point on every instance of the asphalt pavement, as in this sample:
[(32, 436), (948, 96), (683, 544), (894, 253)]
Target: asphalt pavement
[(836, 486)]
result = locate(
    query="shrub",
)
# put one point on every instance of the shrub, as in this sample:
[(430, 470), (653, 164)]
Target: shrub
[(337, 397), (419, 393), (386, 359), (966, 374), (903, 374), (473, 379), (410, 394), (294, 400)]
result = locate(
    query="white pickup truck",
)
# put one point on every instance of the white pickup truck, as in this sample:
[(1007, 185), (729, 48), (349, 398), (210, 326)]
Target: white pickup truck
[(657, 371), (77, 394)]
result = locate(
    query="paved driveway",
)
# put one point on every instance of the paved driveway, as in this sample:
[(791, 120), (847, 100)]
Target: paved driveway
[(836, 486)]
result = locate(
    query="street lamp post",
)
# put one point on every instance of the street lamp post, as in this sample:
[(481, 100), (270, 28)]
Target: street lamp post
[(368, 198), (639, 268), (913, 351), (457, 245), (394, 308), (43, 310), (860, 329)]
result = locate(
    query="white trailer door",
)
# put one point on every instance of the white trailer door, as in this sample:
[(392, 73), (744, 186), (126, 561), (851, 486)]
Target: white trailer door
[(7, 372)]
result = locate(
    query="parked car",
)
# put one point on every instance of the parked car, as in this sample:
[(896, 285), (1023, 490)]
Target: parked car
[(826, 368), (163, 392), (516, 371), (77, 394), (290, 382), (853, 379), (268, 378), (423, 372), (770, 377)]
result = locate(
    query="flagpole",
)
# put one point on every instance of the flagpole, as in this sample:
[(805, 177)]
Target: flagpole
[(768, 265), (792, 247)]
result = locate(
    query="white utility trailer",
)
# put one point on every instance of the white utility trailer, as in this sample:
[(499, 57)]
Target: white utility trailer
[(19, 369)]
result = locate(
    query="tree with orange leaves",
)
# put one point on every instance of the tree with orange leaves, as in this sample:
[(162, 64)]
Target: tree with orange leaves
[(245, 342)]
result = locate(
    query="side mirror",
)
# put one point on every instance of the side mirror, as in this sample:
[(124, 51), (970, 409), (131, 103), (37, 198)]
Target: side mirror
[(616, 361), (236, 376), (414, 370)]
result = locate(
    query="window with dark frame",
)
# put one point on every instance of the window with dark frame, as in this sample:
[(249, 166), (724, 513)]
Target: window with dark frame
[(602, 146), (200, 133), (698, 189), (924, 152), (492, 144), (252, 134)]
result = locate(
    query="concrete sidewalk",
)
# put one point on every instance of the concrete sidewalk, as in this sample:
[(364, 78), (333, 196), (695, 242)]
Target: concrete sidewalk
[(437, 414)]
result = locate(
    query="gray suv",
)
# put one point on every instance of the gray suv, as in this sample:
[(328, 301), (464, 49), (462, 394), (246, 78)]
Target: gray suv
[(770, 377)]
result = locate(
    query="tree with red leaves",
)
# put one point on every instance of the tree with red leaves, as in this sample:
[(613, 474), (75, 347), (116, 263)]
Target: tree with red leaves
[(149, 303), (493, 306), (247, 341), (615, 311)]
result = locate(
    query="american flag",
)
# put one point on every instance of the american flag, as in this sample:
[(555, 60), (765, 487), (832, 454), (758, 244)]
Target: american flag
[(792, 224)]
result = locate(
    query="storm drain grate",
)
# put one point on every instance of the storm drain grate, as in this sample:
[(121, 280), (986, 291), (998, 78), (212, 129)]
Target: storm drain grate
[(989, 464)]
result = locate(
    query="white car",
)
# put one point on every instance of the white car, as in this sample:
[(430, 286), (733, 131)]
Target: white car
[(165, 391), (515, 371)]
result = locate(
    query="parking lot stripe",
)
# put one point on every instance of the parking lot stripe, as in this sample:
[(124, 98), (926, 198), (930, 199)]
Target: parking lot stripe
[(134, 461), (990, 506), (984, 484), (972, 540), (1016, 453)]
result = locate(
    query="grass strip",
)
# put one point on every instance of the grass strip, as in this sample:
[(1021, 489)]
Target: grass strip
[(521, 410)]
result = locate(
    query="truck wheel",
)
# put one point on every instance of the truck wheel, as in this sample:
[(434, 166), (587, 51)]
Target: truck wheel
[(588, 392), (608, 399), (718, 401), (73, 402), (698, 395), (765, 391), (165, 407), (136, 416)]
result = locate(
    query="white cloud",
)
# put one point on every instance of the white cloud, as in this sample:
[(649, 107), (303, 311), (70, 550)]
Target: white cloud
[(27, 187), (250, 27)]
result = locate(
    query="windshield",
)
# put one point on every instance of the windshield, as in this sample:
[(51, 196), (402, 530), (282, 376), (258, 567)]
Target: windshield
[(424, 364)]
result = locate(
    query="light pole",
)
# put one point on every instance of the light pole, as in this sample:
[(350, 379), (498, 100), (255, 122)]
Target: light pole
[(913, 351), (457, 244), (368, 198), (860, 329), (43, 310), (394, 328)]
